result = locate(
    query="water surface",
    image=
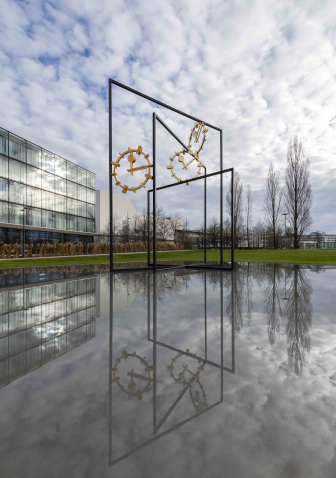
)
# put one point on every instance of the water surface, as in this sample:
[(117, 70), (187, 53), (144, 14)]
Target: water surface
[(201, 373)]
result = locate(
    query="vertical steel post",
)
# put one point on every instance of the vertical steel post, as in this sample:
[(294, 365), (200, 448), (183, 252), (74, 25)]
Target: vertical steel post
[(232, 219), (222, 334), (23, 235), (110, 170), (154, 193), (205, 318), (205, 215), (154, 354), (148, 228), (221, 196)]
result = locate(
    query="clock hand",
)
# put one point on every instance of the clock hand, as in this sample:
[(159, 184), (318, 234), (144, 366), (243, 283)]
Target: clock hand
[(181, 160), (185, 166), (140, 167), (132, 160)]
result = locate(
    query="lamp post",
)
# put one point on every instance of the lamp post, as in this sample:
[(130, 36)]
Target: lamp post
[(128, 218), (285, 214), (24, 216)]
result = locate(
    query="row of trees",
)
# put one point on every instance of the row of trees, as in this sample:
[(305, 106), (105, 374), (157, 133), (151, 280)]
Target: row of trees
[(294, 200), (136, 228)]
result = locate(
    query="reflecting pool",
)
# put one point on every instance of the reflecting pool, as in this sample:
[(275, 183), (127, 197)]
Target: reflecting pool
[(185, 373)]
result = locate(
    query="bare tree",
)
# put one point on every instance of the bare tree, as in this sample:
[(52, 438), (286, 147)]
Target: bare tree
[(258, 232), (248, 211), (163, 225), (115, 228), (214, 232), (238, 207), (273, 200), (176, 225), (298, 193)]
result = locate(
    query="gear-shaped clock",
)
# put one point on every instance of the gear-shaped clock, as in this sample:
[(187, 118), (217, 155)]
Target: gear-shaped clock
[(180, 155), (132, 384), (132, 159), (197, 130)]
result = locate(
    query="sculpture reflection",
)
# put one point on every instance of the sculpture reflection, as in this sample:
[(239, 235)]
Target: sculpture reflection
[(174, 376)]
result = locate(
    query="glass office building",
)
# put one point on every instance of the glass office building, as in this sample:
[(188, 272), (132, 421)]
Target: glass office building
[(57, 195), (40, 323)]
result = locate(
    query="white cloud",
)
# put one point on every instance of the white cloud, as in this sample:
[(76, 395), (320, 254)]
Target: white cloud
[(262, 71)]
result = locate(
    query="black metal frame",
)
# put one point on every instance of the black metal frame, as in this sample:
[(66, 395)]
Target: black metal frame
[(155, 267)]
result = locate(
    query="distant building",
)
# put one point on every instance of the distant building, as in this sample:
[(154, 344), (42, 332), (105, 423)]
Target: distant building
[(124, 211), (318, 240)]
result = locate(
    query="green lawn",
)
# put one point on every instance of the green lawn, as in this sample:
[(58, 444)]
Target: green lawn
[(301, 256)]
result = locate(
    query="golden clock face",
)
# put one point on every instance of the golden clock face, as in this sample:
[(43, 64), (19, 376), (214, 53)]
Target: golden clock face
[(140, 373), (186, 158), (132, 169), (197, 137)]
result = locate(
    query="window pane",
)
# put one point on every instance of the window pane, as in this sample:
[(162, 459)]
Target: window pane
[(71, 171), (48, 182), (33, 155), (81, 224), (17, 193), (17, 148), (60, 185), (34, 197), (91, 180), (33, 217), (82, 193), (48, 161), (48, 200), (91, 196), (60, 166), (3, 212), (15, 214), (17, 172), (72, 207), (71, 223), (72, 190), (90, 211), (89, 226), (48, 219), (60, 222), (34, 177), (3, 167), (4, 189), (60, 203), (81, 176), (82, 209), (3, 141)]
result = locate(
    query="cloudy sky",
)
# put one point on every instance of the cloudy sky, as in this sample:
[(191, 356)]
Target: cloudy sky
[(263, 71)]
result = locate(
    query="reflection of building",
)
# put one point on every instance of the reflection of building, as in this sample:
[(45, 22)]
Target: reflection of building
[(59, 196), (123, 296), (39, 323)]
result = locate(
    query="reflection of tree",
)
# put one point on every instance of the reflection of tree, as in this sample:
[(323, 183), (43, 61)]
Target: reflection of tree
[(273, 302), (234, 307), (299, 316)]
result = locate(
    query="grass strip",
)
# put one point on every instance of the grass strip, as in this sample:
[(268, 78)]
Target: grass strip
[(301, 256)]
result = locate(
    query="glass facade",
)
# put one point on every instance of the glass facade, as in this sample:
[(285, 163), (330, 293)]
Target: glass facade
[(38, 324), (58, 194)]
